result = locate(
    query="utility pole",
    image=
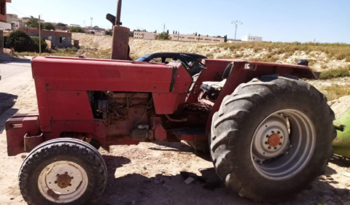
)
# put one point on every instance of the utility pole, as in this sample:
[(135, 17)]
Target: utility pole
[(91, 21), (39, 37), (236, 22), (163, 27)]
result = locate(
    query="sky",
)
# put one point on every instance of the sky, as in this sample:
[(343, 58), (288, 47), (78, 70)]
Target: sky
[(274, 20)]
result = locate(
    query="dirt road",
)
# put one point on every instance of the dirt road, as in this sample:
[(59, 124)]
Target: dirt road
[(148, 173)]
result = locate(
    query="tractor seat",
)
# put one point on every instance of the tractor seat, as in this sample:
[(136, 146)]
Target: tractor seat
[(213, 88), (213, 85)]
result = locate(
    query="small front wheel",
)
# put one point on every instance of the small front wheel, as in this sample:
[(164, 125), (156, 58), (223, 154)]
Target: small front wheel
[(63, 171)]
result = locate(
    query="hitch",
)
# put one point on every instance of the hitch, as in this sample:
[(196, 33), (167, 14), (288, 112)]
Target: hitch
[(340, 128)]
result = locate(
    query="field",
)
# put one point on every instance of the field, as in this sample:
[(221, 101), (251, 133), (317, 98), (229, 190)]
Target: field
[(333, 60), (155, 173)]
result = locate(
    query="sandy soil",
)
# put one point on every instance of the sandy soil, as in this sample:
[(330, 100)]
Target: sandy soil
[(148, 173)]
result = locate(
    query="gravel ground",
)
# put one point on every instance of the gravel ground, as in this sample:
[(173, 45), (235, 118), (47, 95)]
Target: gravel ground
[(149, 173)]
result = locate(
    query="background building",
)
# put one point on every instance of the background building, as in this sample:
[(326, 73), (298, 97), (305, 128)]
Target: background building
[(74, 25), (3, 19), (58, 39), (145, 35), (200, 38), (96, 30), (252, 38), (26, 19), (14, 21)]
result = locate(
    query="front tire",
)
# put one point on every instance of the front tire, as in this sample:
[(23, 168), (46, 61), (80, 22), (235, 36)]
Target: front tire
[(271, 138), (63, 171)]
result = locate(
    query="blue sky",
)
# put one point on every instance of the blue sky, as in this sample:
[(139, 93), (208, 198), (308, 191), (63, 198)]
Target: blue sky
[(274, 20)]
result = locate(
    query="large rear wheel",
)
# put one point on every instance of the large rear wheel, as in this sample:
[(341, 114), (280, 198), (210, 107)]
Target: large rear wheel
[(63, 171), (271, 138)]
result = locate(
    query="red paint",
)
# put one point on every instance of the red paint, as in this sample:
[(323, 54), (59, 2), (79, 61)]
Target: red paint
[(62, 86)]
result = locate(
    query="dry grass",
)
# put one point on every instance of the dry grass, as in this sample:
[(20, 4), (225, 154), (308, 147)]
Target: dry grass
[(338, 51), (102, 54), (335, 73), (335, 91)]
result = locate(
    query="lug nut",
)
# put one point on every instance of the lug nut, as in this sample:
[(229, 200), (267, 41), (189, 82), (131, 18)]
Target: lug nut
[(281, 137), (278, 132), (275, 147), (269, 147), (267, 136), (273, 132), (266, 143), (280, 143)]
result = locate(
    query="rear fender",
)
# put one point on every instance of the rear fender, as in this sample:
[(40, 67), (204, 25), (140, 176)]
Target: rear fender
[(244, 71)]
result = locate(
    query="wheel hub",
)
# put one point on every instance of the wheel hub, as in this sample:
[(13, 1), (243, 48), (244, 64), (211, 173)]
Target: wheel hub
[(62, 181), (274, 140), (283, 144), (270, 140)]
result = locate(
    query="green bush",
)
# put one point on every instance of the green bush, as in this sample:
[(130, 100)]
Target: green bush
[(109, 32), (20, 41), (163, 36), (48, 26), (36, 45), (76, 30), (335, 73)]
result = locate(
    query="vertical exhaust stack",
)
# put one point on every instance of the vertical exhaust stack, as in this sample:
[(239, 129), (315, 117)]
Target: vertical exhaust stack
[(120, 44)]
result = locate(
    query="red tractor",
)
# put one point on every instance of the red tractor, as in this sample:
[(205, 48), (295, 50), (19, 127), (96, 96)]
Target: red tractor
[(268, 132)]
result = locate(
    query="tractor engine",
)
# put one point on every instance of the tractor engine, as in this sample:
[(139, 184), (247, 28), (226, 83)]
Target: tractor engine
[(123, 113)]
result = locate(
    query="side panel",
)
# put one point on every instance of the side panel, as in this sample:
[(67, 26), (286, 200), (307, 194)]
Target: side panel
[(69, 105), (167, 103), (61, 85), (43, 106)]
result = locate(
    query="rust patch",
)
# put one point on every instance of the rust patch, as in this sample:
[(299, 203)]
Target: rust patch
[(64, 180), (53, 194), (274, 140)]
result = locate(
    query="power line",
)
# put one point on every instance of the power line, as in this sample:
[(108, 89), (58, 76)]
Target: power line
[(17, 10), (236, 22)]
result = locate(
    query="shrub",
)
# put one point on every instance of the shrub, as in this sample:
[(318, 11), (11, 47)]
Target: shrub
[(163, 36), (48, 26), (20, 41), (335, 73), (109, 33), (76, 30), (36, 45)]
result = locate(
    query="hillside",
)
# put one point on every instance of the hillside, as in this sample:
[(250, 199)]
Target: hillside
[(332, 60), (321, 56)]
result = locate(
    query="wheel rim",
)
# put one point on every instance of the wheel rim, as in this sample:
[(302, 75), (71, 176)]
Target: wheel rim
[(283, 144), (62, 182)]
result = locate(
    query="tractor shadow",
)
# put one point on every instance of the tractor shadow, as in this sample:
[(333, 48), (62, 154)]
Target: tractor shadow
[(6, 58), (180, 147), (206, 189), (7, 101), (161, 189)]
